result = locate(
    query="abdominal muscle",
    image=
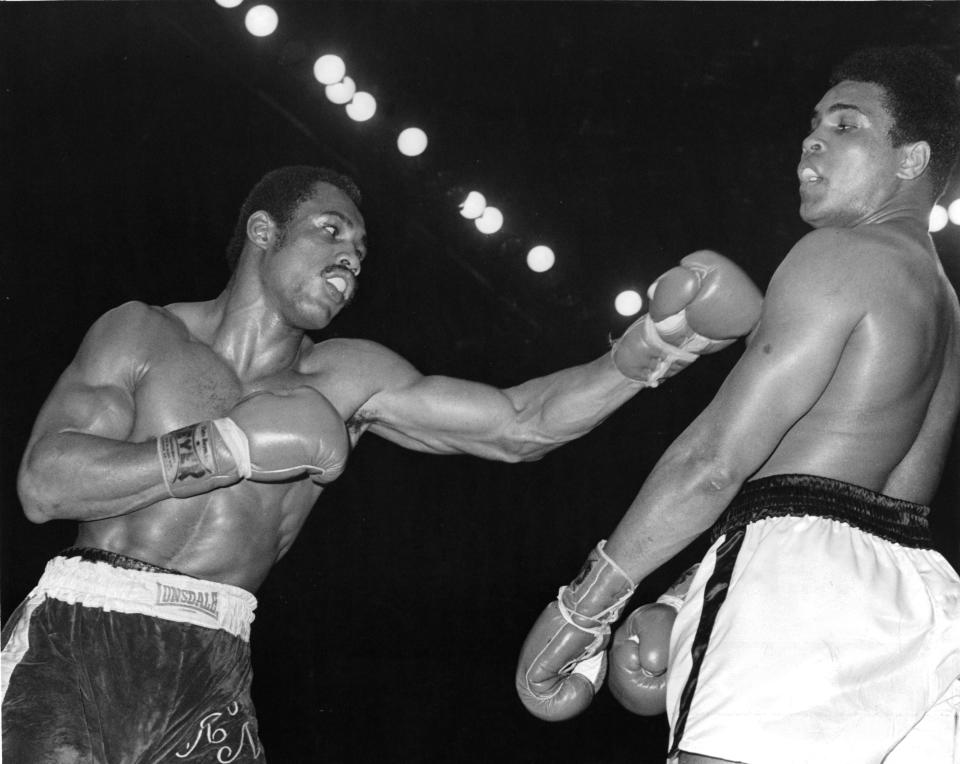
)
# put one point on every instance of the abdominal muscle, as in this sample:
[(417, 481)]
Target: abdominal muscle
[(231, 535)]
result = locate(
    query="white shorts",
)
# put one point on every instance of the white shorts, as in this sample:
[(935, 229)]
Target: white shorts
[(820, 627)]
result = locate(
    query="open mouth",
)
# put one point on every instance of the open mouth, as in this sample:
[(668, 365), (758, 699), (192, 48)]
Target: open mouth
[(808, 175), (340, 282)]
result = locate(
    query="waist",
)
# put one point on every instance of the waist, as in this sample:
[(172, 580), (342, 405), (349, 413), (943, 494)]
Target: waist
[(901, 522), (100, 579)]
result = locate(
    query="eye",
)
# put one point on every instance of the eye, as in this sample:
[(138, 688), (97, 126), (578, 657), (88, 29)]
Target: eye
[(332, 228)]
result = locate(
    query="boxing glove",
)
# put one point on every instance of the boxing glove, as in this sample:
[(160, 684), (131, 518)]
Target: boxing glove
[(292, 433), (640, 652), (705, 303), (267, 437), (700, 306), (563, 660)]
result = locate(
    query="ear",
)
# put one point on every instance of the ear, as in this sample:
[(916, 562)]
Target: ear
[(914, 158), (261, 229)]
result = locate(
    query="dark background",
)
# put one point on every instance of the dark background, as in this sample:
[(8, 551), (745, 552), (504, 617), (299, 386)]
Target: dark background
[(622, 134)]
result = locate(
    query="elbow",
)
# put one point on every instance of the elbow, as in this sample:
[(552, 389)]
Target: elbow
[(36, 497), (713, 475)]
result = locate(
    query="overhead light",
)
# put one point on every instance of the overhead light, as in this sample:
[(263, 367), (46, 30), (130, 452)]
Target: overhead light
[(261, 20)]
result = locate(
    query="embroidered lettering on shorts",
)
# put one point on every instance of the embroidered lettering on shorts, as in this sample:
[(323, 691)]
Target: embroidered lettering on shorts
[(215, 729), (203, 602)]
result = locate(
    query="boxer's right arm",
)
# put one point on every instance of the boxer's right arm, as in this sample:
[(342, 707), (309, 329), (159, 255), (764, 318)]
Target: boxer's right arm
[(78, 463)]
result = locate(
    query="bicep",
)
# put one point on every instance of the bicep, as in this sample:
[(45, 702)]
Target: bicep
[(441, 415), (94, 394)]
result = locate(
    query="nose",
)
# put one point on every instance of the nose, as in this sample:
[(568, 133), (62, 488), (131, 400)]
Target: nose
[(812, 144), (350, 260)]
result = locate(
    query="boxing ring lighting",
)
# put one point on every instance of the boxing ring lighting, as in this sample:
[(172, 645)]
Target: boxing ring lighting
[(540, 258), (953, 212), (412, 142), (490, 221), (938, 218), (628, 302), (261, 20), (472, 207), (341, 92), (362, 107), (329, 69)]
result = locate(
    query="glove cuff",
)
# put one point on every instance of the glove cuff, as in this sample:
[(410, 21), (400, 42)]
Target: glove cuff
[(668, 354), (236, 442)]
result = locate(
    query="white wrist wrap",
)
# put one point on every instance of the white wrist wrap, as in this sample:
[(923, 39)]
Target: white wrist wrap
[(236, 441), (676, 326)]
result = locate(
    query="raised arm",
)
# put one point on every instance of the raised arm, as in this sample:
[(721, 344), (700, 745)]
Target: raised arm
[(78, 463), (700, 306)]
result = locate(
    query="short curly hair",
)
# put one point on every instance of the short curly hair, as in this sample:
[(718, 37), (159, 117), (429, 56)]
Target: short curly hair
[(280, 192), (920, 94)]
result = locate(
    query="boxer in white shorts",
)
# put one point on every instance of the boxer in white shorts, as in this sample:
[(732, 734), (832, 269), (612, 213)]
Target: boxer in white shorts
[(821, 626)]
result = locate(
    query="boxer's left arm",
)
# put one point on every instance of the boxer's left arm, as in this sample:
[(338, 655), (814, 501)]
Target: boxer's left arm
[(706, 295), (804, 326)]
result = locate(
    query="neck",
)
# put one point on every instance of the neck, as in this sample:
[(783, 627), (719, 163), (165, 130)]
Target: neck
[(249, 333)]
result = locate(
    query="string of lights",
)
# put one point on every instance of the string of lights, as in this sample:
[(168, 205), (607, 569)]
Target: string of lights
[(330, 71)]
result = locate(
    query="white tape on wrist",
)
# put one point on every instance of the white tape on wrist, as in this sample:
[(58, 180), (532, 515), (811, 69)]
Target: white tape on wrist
[(672, 600), (236, 442)]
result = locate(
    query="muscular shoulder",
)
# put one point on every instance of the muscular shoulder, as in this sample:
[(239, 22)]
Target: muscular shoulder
[(845, 262), (133, 324), (368, 367)]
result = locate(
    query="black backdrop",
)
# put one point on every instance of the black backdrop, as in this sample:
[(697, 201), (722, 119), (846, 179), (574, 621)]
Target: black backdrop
[(624, 134)]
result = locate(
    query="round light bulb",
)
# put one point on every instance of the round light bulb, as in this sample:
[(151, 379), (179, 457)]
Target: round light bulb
[(362, 107), (261, 20), (229, 3), (490, 221), (412, 142), (953, 212), (938, 218), (540, 258), (329, 69), (340, 92), (628, 302), (472, 207)]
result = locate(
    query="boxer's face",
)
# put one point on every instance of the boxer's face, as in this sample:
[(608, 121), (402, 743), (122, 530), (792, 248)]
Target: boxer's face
[(311, 269), (848, 167)]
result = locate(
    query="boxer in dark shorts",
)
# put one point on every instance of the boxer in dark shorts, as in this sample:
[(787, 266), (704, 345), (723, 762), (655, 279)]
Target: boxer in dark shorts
[(111, 659), (197, 437)]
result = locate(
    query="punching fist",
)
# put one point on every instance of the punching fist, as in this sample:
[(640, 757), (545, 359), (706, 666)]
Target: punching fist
[(267, 437), (563, 660), (641, 650), (700, 306)]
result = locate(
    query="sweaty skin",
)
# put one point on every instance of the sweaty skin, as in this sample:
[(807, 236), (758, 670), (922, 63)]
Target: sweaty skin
[(142, 371), (854, 370)]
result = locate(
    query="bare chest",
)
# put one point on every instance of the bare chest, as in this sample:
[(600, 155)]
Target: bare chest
[(187, 382)]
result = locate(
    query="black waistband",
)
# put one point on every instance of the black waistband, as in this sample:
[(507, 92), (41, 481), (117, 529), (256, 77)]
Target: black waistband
[(901, 522), (91, 554)]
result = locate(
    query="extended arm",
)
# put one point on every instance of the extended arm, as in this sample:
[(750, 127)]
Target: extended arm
[(698, 307)]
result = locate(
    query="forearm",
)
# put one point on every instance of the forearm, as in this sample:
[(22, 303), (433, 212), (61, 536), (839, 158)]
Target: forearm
[(567, 404), (76, 476), (682, 498)]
